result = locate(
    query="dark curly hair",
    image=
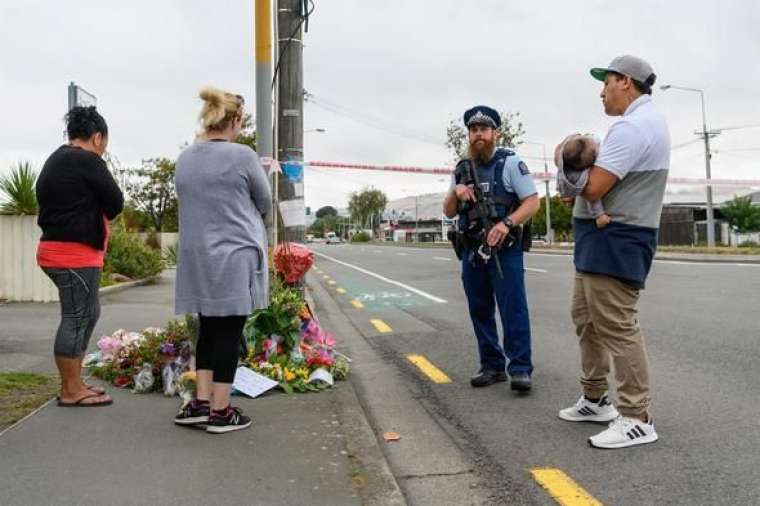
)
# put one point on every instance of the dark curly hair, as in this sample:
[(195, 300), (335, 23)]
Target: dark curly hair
[(84, 122)]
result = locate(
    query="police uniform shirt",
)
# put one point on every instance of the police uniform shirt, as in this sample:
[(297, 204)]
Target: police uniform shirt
[(516, 177), (637, 151)]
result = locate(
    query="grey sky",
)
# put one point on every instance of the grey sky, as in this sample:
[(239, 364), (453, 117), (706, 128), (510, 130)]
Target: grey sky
[(410, 65)]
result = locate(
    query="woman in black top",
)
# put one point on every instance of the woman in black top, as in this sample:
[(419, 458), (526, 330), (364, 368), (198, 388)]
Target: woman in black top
[(77, 196)]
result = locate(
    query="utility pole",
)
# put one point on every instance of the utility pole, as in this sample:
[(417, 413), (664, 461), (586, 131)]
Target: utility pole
[(290, 116), (264, 126), (549, 234), (416, 221), (708, 171), (706, 136)]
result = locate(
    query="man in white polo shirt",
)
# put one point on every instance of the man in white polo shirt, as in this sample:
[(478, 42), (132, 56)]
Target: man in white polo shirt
[(612, 263)]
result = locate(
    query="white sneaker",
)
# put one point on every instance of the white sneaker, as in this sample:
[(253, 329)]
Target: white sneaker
[(625, 432), (586, 411)]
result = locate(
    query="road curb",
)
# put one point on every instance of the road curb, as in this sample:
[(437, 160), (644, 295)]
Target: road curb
[(372, 474), (108, 290)]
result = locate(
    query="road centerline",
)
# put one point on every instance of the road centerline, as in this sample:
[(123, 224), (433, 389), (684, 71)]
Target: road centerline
[(381, 326), (427, 368), (562, 488)]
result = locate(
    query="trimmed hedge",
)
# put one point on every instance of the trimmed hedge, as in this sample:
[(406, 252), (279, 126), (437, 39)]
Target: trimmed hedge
[(129, 256)]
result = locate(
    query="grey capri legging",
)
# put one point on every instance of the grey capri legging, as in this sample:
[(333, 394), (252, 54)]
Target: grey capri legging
[(80, 308)]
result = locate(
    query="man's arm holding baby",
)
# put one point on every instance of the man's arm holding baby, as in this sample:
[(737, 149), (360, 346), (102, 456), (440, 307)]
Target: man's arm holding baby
[(600, 181)]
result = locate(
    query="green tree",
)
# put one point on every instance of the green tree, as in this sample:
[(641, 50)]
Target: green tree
[(323, 225), (326, 211), (151, 191), (742, 215), (366, 206), (18, 187), (562, 219), (509, 133), (247, 135)]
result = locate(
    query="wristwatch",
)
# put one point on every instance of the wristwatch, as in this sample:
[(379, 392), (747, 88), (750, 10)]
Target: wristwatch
[(508, 222)]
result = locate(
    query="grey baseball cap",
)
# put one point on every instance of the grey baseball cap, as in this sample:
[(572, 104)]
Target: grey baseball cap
[(631, 66)]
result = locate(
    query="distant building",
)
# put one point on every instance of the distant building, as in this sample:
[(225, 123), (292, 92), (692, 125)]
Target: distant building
[(417, 217), (684, 217)]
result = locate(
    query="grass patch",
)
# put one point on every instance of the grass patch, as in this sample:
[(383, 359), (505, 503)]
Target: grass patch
[(22, 393)]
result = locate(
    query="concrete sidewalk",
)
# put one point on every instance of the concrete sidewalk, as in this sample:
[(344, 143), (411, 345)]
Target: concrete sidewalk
[(300, 450)]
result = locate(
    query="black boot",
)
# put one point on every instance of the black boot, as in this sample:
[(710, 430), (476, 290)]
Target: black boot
[(521, 383), (486, 378)]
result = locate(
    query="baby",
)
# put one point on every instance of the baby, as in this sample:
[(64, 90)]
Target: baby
[(574, 157)]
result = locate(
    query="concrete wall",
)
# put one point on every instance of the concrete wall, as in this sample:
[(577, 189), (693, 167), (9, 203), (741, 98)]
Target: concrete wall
[(21, 280), (20, 277)]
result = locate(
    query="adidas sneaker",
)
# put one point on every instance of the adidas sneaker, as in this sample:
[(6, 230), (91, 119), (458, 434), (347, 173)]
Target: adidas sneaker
[(625, 432), (586, 411)]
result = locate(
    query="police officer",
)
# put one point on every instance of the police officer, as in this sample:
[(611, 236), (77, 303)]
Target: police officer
[(492, 251)]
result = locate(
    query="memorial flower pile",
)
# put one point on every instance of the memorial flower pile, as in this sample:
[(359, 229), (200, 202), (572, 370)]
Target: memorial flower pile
[(151, 360), (284, 342)]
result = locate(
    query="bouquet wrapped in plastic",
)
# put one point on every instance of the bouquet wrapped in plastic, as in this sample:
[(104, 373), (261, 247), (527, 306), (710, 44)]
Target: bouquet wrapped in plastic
[(292, 261)]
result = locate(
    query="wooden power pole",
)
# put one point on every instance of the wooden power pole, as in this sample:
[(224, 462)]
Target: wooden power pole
[(290, 18)]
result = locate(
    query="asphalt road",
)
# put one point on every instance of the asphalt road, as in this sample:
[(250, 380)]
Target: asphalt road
[(701, 323)]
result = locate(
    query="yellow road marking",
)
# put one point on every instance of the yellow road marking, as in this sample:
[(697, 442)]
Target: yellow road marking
[(331, 282), (357, 304), (340, 290), (562, 488), (431, 371), (381, 326)]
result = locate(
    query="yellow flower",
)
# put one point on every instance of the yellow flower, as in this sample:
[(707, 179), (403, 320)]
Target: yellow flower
[(189, 376), (289, 375)]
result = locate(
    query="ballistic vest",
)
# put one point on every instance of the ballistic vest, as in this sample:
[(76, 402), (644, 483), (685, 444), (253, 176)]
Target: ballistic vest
[(493, 175)]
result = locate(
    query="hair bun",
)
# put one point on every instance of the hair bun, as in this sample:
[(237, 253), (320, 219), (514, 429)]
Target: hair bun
[(212, 96)]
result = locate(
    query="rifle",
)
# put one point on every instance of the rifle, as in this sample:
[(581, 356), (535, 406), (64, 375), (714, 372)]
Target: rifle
[(484, 209)]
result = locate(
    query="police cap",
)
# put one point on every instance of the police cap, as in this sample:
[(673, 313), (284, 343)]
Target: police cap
[(482, 115)]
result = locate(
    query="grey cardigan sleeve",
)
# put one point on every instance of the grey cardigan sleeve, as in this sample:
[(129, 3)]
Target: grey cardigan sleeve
[(258, 185)]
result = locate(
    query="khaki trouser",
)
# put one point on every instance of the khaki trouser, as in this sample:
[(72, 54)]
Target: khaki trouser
[(605, 316)]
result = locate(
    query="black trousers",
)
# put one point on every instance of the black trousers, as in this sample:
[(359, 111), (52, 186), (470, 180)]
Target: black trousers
[(80, 308), (218, 347)]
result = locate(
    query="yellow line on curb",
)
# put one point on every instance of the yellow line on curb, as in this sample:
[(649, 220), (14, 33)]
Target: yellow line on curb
[(340, 290), (431, 371), (562, 488), (357, 304), (381, 326)]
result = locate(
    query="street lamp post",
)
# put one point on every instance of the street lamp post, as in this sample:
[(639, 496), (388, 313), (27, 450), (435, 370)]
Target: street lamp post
[(549, 234), (706, 136)]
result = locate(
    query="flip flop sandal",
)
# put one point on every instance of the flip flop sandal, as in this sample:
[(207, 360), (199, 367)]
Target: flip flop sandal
[(80, 404), (92, 388)]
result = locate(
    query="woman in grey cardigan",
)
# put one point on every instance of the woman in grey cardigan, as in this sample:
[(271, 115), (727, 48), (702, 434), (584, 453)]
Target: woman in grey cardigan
[(222, 270)]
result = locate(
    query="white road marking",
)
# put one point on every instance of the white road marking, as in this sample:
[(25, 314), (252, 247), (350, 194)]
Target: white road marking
[(383, 278), (442, 259), (403, 254), (535, 270)]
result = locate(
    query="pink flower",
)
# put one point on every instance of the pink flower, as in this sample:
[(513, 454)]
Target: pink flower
[(109, 346)]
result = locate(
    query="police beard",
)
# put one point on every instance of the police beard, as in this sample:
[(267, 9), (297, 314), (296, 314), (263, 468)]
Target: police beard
[(482, 151)]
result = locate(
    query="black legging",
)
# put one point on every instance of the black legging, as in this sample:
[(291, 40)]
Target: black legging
[(218, 347)]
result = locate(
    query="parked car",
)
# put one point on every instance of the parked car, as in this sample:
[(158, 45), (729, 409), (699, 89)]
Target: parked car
[(332, 238)]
